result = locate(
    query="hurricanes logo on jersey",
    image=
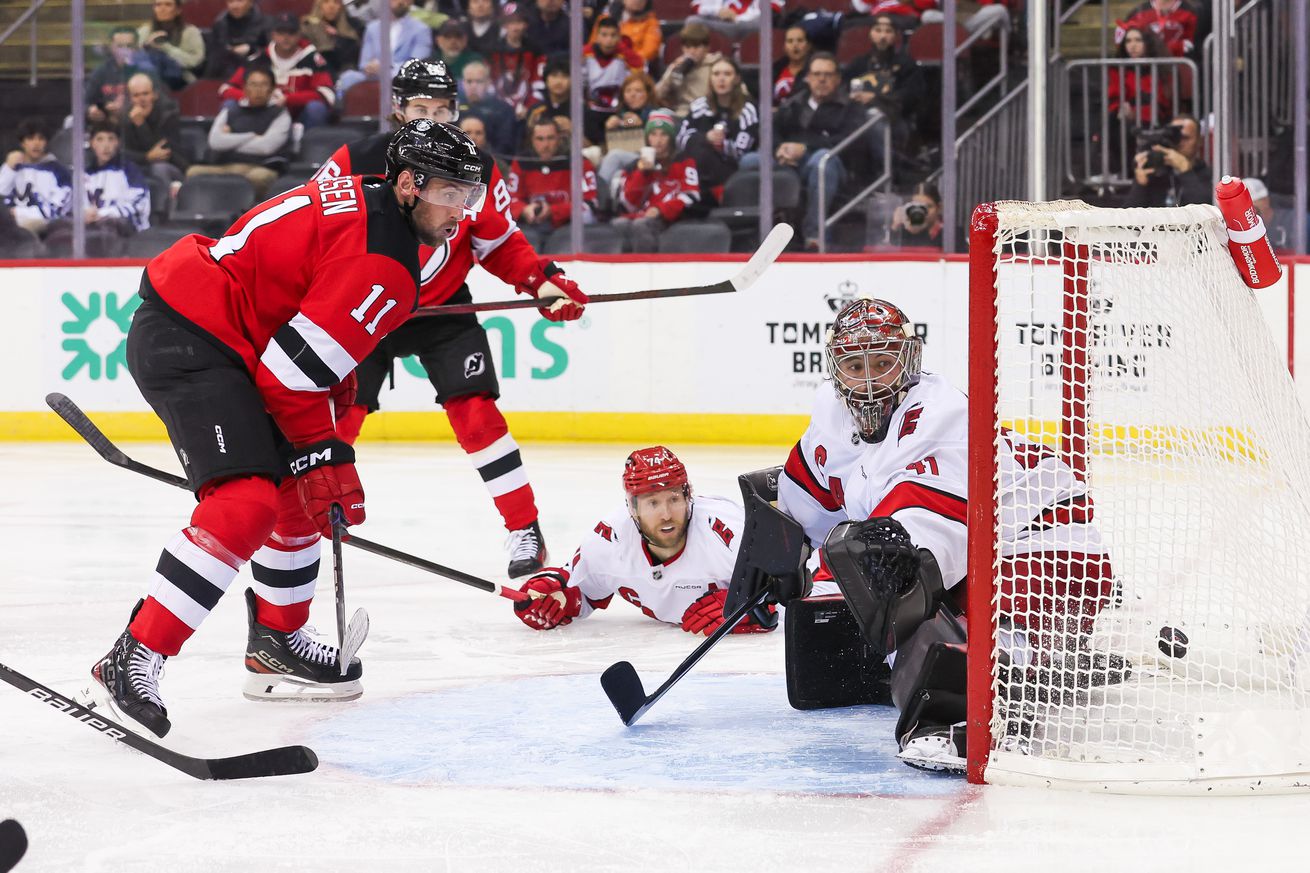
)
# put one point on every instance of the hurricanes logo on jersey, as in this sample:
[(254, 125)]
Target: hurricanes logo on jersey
[(474, 364), (909, 422), (820, 455)]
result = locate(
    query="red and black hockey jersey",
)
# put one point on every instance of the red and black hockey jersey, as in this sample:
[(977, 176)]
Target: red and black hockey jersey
[(302, 78), (301, 289), (1176, 28), (532, 180), (491, 238), (670, 189)]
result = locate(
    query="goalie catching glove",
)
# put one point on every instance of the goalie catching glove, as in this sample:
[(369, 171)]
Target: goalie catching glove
[(553, 601), (561, 298), (325, 477), (705, 615)]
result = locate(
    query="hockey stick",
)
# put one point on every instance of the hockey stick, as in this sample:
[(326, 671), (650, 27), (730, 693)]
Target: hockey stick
[(349, 636), (72, 414), (87, 430), (13, 844), (623, 686), (765, 255), (269, 762)]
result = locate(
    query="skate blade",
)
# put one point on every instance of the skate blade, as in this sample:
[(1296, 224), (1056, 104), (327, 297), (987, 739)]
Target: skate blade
[(950, 764), (95, 698), (276, 687)]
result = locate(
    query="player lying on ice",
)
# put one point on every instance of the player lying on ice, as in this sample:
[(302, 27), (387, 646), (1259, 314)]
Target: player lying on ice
[(244, 346), (879, 478), (670, 556), (453, 349)]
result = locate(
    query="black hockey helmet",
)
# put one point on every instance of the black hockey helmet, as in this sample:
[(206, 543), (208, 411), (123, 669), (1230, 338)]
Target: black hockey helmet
[(434, 150), (420, 78)]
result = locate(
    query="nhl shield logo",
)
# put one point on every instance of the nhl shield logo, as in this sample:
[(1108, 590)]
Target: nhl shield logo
[(474, 364)]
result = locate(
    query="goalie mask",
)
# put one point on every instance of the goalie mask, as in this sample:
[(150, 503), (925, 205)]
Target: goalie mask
[(646, 473), (873, 359)]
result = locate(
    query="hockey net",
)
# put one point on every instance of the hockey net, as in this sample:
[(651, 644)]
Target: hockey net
[(1123, 343)]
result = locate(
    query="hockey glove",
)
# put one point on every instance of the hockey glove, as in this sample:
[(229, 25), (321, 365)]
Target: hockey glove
[(553, 601), (325, 477), (562, 299), (706, 615)]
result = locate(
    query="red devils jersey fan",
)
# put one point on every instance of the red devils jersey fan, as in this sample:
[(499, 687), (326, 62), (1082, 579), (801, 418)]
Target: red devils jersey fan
[(668, 557), (453, 350), (242, 350), (885, 459)]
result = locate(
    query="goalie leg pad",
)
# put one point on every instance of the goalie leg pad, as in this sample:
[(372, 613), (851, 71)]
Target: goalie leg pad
[(773, 547), (891, 586), (829, 664), (929, 678)]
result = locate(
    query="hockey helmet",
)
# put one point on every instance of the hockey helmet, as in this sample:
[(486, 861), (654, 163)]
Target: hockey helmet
[(653, 469), (435, 150), (873, 358), (422, 78)]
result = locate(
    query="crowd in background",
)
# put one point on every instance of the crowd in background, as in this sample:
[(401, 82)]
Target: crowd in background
[(670, 117)]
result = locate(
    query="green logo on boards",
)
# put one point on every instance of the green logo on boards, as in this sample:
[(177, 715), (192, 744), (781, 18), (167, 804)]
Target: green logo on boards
[(96, 336), (558, 356)]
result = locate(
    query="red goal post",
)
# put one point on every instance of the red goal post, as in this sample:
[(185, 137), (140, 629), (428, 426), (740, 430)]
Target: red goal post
[(1123, 343)]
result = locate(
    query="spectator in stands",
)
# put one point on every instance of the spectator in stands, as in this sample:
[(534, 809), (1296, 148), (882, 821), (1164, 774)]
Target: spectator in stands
[(1172, 176), (484, 34), (991, 13), (905, 13), (1174, 22), (516, 66), (250, 137), (334, 34), (735, 19), (452, 47), (658, 189), (303, 83), (151, 137), (176, 48), (789, 70), (548, 27), (889, 80), (1126, 86), (639, 26), (689, 76), (917, 223), (554, 102), (36, 188), (625, 130), (410, 38), (606, 65), (723, 127), (496, 114), (117, 197), (540, 186), (805, 128), (106, 87), (476, 129), (237, 35)]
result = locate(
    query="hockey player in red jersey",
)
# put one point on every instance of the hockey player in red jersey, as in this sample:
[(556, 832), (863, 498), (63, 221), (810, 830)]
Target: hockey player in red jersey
[(453, 350), (670, 557), (245, 353), (880, 479)]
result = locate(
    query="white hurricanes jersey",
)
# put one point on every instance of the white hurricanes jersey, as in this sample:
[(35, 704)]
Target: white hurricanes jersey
[(812, 487), (613, 559)]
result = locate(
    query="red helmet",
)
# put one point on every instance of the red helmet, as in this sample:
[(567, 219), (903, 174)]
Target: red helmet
[(873, 358), (653, 469)]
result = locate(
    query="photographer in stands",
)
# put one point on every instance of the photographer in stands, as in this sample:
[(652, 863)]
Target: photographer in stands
[(917, 223), (1168, 168)]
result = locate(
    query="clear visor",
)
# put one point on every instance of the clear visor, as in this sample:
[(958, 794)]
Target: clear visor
[(455, 195)]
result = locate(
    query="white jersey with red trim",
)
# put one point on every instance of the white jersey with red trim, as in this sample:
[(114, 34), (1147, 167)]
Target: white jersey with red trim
[(812, 487), (613, 559)]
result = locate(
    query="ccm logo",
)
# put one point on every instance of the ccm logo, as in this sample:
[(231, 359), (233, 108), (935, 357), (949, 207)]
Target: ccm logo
[(218, 435), (313, 459)]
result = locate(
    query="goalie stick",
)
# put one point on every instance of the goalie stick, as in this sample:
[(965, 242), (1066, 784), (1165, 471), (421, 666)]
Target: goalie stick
[(87, 430), (623, 686), (765, 255), (13, 844), (72, 414), (282, 761)]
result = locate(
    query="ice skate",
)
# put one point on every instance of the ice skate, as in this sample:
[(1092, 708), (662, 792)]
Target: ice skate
[(936, 748), (295, 666), (527, 551), (127, 683)]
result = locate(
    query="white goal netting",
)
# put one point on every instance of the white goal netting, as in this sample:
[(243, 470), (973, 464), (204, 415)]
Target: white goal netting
[(1129, 352)]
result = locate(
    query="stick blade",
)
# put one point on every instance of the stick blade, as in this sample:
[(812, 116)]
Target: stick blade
[(623, 687), (356, 633), (284, 761), (764, 256), (13, 844)]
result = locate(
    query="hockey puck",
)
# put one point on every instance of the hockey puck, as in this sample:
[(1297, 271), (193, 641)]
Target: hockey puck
[(1173, 642)]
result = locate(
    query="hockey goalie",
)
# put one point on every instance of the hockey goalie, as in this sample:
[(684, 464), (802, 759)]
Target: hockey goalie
[(879, 479)]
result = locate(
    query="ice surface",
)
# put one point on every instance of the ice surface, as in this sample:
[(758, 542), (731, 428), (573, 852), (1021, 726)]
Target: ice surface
[(480, 745)]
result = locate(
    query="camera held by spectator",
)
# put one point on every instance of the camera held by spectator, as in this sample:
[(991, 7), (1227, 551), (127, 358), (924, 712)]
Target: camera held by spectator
[(918, 221), (1168, 169), (1169, 137)]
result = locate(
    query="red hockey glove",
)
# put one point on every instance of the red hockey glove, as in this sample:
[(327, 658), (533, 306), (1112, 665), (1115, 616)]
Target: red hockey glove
[(343, 395), (563, 299), (553, 601), (325, 477), (706, 615)]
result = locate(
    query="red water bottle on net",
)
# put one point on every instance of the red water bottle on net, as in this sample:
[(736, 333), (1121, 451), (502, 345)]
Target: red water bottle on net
[(1248, 242)]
